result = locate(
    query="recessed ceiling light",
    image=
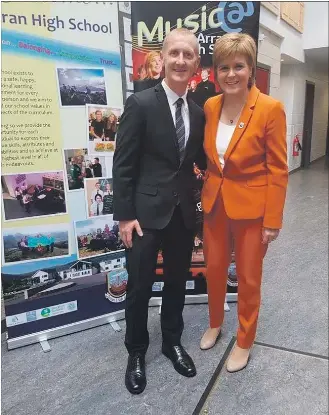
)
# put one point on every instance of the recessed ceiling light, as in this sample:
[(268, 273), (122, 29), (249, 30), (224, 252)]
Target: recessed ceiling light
[(282, 60)]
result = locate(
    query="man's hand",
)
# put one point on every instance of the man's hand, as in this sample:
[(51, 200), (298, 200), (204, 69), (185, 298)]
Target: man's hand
[(126, 228), (269, 235)]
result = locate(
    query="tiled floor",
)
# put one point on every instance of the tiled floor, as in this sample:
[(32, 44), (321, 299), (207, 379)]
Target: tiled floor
[(83, 374)]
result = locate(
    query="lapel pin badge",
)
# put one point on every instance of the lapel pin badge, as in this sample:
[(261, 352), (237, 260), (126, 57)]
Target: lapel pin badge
[(241, 125)]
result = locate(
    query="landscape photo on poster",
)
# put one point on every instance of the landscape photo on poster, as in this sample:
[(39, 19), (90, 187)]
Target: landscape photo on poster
[(28, 195), (99, 196), (102, 126), (81, 86), (97, 236), (31, 243), (46, 278)]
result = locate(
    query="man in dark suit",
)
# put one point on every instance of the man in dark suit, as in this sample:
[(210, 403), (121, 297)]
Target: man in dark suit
[(159, 138), (205, 89)]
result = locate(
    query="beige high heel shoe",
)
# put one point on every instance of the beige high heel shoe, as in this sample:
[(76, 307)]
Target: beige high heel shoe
[(209, 338), (238, 359)]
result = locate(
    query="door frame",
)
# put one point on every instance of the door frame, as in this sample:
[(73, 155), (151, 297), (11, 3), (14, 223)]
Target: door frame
[(267, 69), (307, 128)]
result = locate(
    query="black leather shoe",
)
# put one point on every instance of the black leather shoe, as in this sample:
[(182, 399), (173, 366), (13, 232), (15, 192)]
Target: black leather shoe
[(135, 378), (182, 362)]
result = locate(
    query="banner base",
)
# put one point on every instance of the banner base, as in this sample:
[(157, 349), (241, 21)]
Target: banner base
[(43, 336), (195, 299)]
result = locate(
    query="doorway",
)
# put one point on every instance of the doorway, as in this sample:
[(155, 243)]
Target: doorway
[(308, 123), (263, 80)]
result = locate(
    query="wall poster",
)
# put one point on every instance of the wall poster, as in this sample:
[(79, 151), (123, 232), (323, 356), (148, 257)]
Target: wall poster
[(62, 98)]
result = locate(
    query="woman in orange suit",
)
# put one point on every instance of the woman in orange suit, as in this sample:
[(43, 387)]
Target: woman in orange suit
[(245, 188)]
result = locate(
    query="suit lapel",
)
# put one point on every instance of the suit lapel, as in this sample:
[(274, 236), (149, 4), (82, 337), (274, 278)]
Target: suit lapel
[(168, 120), (243, 121)]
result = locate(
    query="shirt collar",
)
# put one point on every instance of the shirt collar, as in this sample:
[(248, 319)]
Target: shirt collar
[(172, 96)]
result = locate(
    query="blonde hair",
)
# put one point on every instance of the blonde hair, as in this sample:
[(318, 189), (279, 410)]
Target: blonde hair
[(233, 44), (147, 63), (182, 31)]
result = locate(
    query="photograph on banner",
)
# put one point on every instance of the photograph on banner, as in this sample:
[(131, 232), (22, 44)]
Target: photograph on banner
[(99, 196), (54, 69), (97, 236), (79, 166), (28, 195), (207, 20), (31, 243), (81, 86), (57, 276), (102, 127)]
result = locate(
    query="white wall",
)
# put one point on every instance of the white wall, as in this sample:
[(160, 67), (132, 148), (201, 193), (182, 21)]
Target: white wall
[(292, 44), (315, 24), (292, 92)]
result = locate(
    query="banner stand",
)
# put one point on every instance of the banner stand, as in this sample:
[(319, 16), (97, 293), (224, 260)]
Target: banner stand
[(42, 337), (45, 335), (195, 299)]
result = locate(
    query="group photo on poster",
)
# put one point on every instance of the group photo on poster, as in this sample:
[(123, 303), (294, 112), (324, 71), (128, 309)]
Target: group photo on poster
[(103, 123), (97, 236), (35, 242), (99, 196), (80, 165)]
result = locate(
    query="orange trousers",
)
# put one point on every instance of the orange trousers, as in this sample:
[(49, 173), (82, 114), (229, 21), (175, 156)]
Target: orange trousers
[(220, 235)]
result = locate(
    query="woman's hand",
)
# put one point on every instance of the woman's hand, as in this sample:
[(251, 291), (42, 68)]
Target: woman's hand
[(269, 235)]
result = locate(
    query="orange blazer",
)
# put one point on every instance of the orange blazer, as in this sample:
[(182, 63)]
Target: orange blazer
[(255, 174)]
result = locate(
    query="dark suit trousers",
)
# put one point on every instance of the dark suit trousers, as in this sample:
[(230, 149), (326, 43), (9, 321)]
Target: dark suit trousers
[(176, 242)]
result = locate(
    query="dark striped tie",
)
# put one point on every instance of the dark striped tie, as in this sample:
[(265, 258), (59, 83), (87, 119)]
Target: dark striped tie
[(180, 128)]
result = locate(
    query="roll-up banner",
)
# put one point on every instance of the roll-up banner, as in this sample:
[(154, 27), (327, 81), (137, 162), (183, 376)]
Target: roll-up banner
[(63, 90), (151, 21)]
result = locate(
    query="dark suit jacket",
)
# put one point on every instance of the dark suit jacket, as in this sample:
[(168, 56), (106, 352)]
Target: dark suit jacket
[(204, 90), (148, 178)]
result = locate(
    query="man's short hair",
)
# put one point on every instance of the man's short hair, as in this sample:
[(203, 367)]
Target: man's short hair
[(96, 158), (182, 31)]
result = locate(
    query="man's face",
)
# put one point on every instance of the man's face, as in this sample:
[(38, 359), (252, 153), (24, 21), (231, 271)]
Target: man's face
[(95, 161), (180, 59), (204, 74), (98, 186), (98, 116)]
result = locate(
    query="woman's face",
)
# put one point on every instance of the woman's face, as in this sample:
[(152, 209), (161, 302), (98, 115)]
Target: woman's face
[(112, 118), (156, 65), (233, 75)]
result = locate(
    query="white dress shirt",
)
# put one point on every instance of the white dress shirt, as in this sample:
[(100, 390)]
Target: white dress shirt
[(93, 208), (223, 138), (172, 99)]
